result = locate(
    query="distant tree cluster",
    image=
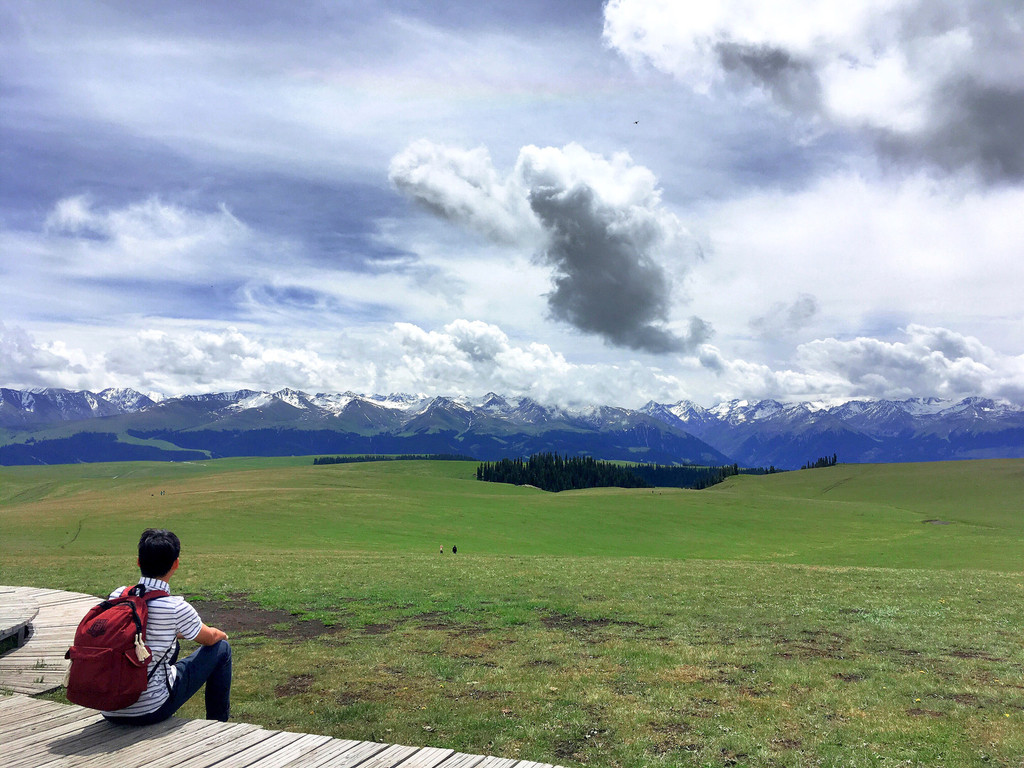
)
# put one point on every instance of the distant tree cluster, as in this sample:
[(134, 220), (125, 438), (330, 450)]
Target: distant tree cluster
[(552, 472), (824, 461), (399, 457), (683, 477)]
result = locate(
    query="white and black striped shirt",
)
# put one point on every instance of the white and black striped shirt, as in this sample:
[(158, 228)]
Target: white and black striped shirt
[(168, 617)]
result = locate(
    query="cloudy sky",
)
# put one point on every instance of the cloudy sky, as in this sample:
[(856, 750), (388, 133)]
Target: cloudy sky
[(580, 202)]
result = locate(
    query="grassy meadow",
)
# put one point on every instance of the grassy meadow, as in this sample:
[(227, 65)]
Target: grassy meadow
[(858, 615)]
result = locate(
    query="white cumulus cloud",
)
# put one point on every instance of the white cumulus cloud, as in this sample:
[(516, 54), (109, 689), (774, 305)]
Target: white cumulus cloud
[(931, 362)]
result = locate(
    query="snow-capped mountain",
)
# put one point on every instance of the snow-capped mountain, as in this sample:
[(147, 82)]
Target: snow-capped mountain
[(27, 408), (766, 432), (288, 421)]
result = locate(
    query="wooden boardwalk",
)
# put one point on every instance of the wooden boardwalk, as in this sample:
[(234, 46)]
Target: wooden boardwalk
[(36, 733), (39, 665)]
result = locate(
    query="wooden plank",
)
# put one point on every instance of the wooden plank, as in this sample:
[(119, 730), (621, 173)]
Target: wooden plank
[(167, 753), (387, 758), (428, 757), (29, 676), (301, 746), (24, 710), (101, 739), (19, 703), (27, 690), (144, 740), (43, 722), (15, 614), (265, 749), (219, 753), (47, 728), (463, 760), (23, 719), (16, 667), (324, 754), (497, 762), (352, 756), (31, 742)]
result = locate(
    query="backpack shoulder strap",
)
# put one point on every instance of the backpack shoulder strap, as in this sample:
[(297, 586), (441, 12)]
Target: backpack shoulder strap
[(147, 594)]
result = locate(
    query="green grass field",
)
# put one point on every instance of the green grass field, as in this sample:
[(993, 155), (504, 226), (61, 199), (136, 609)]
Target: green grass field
[(820, 617)]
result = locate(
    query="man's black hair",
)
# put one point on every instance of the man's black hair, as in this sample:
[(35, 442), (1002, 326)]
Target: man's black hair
[(158, 549)]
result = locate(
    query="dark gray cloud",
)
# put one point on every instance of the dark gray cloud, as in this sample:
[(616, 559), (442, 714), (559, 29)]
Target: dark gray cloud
[(790, 80), (598, 224), (975, 127), (605, 282)]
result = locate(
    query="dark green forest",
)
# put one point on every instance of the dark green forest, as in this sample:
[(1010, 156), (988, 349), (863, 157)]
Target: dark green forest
[(551, 472)]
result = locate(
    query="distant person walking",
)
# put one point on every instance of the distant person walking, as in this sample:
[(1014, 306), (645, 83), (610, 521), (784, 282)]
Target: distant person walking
[(172, 684), (441, 550), (454, 549)]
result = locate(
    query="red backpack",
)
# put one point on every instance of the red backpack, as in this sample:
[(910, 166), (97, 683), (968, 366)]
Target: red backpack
[(109, 657)]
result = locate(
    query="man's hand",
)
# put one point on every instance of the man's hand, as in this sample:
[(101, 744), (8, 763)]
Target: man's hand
[(210, 636)]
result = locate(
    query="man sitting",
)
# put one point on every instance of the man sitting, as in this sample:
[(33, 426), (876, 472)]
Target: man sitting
[(172, 684)]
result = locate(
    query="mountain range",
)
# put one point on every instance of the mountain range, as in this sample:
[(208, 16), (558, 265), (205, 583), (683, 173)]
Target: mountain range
[(63, 426)]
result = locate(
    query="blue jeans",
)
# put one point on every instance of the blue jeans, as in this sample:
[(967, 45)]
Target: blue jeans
[(210, 664)]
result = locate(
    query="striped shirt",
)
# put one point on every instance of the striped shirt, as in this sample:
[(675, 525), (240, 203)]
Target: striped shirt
[(168, 617)]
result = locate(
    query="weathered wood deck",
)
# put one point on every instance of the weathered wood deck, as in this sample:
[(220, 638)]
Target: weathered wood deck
[(14, 621), (42, 734), (39, 665)]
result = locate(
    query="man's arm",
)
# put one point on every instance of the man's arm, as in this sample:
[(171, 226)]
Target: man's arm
[(210, 636)]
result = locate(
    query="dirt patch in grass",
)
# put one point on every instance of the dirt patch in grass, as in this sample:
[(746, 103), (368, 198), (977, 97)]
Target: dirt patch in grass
[(377, 629), (815, 644), (730, 758), (431, 620), (848, 677), (918, 712), (782, 744), (572, 748), (936, 522), (241, 615), (674, 737), (966, 699), (972, 654), (296, 684), (581, 624), (481, 695)]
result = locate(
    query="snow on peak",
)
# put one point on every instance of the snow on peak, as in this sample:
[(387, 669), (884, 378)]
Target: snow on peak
[(293, 397), (252, 400)]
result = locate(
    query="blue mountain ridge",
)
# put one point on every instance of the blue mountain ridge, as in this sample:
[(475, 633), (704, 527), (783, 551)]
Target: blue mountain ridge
[(62, 426)]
